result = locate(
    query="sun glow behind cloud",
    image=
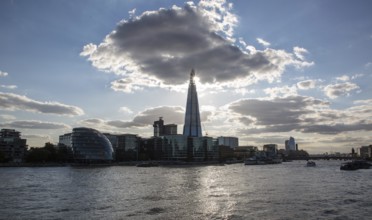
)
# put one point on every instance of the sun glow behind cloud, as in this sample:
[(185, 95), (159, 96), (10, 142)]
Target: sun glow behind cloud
[(158, 49)]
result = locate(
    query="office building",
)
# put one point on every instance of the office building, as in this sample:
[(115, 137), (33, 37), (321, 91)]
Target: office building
[(232, 142), (160, 129), (242, 152), (181, 147), (127, 147), (270, 149), (365, 151)]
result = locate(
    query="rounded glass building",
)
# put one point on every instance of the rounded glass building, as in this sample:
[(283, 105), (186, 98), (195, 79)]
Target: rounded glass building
[(90, 145)]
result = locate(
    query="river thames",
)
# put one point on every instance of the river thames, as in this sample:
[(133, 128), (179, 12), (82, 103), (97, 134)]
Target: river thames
[(284, 191)]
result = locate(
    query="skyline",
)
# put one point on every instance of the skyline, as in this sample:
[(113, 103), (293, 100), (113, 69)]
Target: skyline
[(265, 70)]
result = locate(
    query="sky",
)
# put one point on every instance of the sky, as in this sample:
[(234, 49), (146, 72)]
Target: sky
[(265, 70)]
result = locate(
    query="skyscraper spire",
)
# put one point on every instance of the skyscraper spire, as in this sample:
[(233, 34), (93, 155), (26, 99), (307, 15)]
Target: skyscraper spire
[(192, 126)]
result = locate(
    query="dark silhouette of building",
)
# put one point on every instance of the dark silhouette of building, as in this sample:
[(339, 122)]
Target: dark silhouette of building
[(160, 129), (127, 147), (12, 147)]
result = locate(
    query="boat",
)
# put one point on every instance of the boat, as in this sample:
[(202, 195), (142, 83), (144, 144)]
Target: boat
[(257, 160), (254, 161), (275, 160), (355, 165), (310, 163)]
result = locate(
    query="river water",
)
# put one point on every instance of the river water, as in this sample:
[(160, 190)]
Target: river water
[(284, 191)]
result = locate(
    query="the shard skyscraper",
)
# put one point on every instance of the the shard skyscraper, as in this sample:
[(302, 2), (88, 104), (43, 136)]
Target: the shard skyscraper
[(192, 126)]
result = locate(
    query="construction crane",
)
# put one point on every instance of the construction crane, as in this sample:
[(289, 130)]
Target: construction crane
[(206, 132)]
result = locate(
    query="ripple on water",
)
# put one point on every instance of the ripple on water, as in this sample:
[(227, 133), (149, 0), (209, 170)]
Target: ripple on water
[(152, 198), (350, 201), (330, 212), (155, 211), (287, 191)]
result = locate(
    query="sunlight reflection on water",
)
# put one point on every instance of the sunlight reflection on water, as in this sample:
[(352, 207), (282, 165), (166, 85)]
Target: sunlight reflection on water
[(285, 191)]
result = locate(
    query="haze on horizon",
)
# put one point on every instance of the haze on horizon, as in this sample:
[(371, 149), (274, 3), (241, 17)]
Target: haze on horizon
[(265, 70)]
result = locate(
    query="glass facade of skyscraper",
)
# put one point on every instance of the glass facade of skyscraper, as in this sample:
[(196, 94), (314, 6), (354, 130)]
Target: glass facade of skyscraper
[(192, 125)]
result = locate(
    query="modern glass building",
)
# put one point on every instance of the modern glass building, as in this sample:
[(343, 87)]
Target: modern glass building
[(290, 144), (65, 140), (181, 147), (232, 142), (174, 147), (90, 145), (192, 126)]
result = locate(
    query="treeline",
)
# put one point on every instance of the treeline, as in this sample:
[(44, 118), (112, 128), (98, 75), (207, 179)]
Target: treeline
[(48, 154)]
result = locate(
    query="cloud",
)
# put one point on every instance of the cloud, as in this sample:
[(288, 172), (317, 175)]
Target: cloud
[(306, 84), (3, 74), (7, 117), (336, 128), (11, 102), (125, 110), (357, 75), (37, 139), (146, 118), (32, 124), (36, 136), (281, 91), (343, 78), (299, 52), (8, 86), (92, 121), (299, 114), (132, 12), (170, 114), (159, 48), (340, 89), (276, 111), (263, 42)]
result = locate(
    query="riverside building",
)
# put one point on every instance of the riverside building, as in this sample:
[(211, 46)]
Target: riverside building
[(12, 146), (160, 129), (232, 142), (65, 140), (89, 145)]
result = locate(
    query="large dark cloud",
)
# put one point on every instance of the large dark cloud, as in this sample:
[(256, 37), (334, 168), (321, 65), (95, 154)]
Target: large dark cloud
[(166, 44), (11, 101)]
